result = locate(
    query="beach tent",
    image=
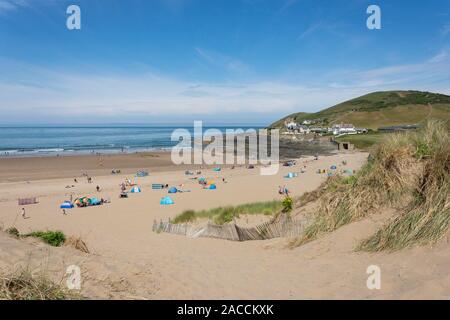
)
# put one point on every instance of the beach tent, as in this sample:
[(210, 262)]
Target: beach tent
[(291, 175), (141, 174), (66, 205), (95, 202), (212, 187), (173, 190), (166, 201), (333, 167), (135, 189), (217, 169), (82, 202)]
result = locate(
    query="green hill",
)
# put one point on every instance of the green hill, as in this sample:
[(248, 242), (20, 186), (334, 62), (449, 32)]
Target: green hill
[(380, 109)]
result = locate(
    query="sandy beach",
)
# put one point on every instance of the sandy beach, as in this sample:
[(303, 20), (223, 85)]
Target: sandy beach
[(144, 264)]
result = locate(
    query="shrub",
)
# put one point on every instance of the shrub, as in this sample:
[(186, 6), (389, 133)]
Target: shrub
[(287, 204), (53, 238)]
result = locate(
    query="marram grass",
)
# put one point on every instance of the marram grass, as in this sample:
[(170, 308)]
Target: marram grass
[(223, 215), (406, 171)]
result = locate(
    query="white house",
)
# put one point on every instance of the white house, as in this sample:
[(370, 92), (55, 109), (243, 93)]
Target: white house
[(291, 125), (303, 129), (343, 129), (307, 122)]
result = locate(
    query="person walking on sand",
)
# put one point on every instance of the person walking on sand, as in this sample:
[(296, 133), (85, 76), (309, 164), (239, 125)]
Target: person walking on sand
[(23, 213), (64, 211), (98, 188)]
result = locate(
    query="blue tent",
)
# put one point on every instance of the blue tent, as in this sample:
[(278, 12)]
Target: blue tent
[(135, 189), (333, 167), (291, 175), (217, 169), (212, 187), (67, 205), (173, 190), (95, 202), (166, 201)]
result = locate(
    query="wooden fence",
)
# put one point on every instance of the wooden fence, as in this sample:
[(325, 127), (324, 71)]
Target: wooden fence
[(27, 201), (285, 227)]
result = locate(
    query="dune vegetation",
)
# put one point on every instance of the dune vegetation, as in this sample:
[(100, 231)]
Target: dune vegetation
[(23, 285), (223, 215), (409, 172)]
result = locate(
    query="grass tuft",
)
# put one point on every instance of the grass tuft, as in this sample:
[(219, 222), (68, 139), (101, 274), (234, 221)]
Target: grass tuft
[(23, 285), (222, 215), (53, 238)]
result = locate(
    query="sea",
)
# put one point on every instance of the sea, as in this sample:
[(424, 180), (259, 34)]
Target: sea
[(23, 141)]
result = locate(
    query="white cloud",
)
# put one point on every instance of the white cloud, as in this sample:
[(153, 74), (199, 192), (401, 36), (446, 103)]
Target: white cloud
[(442, 56), (10, 5), (29, 93), (311, 29), (445, 30), (221, 60)]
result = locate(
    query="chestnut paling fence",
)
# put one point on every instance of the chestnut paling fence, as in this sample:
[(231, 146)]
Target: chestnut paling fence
[(284, 227)]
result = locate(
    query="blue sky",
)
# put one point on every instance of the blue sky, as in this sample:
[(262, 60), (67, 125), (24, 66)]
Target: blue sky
[(220, 61)]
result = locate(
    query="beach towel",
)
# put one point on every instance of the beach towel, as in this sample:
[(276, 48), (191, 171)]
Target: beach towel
[(141, 174)]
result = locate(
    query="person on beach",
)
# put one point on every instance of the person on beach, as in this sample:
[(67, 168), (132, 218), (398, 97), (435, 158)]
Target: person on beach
[(64, 211), (98, 188), (75, 180), (23, 213), (280, 190)]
